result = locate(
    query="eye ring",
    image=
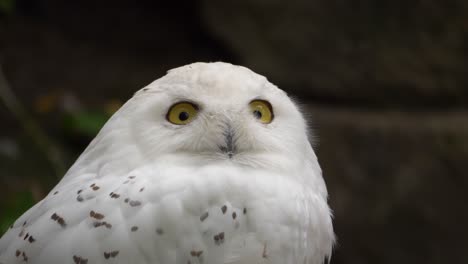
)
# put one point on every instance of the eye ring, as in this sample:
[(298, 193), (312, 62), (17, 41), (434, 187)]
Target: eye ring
[(182, 113), (262, 111)]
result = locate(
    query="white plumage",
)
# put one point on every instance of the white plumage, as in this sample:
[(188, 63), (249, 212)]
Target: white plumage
[(230, 186)]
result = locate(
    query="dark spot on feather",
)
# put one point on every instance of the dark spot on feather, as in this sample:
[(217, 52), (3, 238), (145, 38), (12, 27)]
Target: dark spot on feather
[(92, 185), (204, 216), (57, 218), (264, 253), (79, 191), (219, 238), (114, 195), (79, 260), (125, 182), (131, 177), (142, 189), (111, 254), (61, 222), (21, 233), (159, 231), (103, 223), (26, 236), (195, 253), (55, 192), (95, 188), (24, 223), (95, 215), (25, 258), (134, 203), (31, 239), (79, 198), (224, 209), (126, 200), (234, 215), (134, 228), (245, 210), (17, 253)]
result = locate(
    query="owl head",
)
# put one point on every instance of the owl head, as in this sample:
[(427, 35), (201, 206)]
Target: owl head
[(210, 112)]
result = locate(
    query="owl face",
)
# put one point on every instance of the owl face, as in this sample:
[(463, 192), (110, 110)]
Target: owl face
[(216, 111)]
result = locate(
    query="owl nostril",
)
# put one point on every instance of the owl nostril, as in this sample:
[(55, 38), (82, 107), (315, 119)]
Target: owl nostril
[(229, 148)]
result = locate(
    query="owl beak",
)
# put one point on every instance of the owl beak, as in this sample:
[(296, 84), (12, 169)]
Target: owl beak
[(229, 148)]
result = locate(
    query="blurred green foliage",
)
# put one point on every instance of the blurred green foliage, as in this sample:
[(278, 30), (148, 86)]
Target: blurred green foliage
[(82, 123), (7, 6), (87, 123), (14, 208)]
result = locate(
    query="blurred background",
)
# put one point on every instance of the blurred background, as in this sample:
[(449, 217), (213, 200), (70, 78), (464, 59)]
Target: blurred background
[(384, 84)]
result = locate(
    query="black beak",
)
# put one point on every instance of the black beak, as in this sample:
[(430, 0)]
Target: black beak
[(229, 148)]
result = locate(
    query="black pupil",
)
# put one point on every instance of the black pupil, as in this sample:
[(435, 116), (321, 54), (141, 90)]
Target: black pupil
[(257, 114), (183, 116)]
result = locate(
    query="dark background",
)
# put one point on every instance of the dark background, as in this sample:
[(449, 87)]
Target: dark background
[(385, 84)]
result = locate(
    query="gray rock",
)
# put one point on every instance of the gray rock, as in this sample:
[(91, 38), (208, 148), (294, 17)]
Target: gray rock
[(397, 184), (372, 52)]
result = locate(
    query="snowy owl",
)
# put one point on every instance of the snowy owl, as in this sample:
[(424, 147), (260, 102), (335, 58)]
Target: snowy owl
[(209, 164)]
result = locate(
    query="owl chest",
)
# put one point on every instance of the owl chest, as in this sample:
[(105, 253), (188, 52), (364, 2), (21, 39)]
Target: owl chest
[(214, 215), (218, 216)]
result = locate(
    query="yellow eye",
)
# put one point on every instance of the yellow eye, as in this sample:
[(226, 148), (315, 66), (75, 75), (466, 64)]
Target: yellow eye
[(182, 113), (262, 111)]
